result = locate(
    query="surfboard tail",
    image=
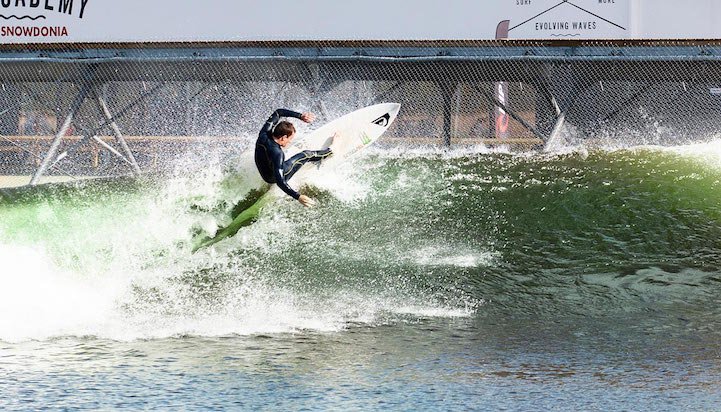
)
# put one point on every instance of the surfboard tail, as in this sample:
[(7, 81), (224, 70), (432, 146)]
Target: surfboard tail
[(245, 218)]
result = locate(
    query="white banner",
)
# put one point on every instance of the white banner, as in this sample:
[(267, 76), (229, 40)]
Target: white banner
[(572, 19), (70, 21)]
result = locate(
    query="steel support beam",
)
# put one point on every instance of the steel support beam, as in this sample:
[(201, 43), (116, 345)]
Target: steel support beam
[(87, 135), (100, 95), (448, 89), (623, 105), (557, 127), (79, 99), (491, 99)]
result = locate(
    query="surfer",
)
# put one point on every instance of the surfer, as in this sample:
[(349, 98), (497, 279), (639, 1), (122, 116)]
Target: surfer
[(270, 158)]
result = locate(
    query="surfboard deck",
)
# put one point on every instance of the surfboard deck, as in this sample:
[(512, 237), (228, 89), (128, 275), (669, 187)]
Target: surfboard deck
[(353, 132)]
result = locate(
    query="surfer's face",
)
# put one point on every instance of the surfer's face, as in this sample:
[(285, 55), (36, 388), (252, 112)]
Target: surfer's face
[(284, 141)]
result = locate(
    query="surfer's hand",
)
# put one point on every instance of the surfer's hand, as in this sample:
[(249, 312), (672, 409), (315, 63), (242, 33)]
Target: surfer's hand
[(306, 201), (307, 117)]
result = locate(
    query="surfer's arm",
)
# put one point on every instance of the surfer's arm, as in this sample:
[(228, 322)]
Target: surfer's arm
[(283, 185), (275, 118), (276, 158), (286, 113)]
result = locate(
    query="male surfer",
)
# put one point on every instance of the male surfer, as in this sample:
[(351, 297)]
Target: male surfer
[(270, 158)]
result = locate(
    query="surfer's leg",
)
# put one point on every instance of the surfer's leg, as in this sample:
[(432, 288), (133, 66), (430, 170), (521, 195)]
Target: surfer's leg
[(294, 164)]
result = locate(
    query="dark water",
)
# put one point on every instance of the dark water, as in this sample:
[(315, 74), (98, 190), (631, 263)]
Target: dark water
[(425, 280)]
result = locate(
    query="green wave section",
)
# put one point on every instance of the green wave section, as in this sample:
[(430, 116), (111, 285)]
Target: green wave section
[(582, 232)]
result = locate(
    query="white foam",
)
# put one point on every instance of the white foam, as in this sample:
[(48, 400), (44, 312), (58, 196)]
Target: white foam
[(342, 182), (708, 152), (427, 312), (425, 151), (447, 255), (39, 300), (45, 295), (253, 308)]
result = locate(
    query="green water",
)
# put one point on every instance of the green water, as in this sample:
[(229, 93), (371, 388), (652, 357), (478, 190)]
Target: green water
[(423, 280)]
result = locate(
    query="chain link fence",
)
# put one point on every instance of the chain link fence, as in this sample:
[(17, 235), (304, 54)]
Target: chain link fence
[(73, 111)]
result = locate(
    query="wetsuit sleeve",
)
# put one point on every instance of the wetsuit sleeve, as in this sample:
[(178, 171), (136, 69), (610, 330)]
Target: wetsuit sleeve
[(275, 118), (280, 177), (283, 185)]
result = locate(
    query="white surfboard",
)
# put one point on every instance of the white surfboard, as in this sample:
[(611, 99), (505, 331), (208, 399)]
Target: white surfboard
[(353, 132)]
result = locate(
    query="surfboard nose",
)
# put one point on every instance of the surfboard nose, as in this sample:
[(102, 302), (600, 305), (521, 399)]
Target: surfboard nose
[(395, 108), (390, 111)]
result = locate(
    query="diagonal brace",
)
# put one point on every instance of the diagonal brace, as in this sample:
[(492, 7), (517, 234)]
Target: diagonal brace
[(491, 99)]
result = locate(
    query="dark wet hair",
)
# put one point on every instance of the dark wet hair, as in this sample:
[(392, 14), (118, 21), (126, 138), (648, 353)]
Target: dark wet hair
[(283, 129)]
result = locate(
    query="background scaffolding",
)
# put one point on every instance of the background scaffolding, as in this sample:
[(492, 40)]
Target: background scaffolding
[(70, 111)]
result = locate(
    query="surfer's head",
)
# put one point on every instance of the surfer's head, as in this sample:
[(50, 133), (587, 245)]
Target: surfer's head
[(283, 133)]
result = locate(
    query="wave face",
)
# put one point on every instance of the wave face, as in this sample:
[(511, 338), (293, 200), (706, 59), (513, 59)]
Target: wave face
[(398, 234)]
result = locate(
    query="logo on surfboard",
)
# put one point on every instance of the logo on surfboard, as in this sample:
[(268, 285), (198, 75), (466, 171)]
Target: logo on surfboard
[(364, 138), (383, 120)]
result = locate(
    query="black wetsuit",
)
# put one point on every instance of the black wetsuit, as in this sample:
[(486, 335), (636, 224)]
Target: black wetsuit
[(270, 159)]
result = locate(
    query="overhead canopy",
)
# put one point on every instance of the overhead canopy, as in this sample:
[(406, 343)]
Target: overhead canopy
[(521, 61)]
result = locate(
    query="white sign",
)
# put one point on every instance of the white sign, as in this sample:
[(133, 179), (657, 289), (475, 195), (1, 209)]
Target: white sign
[(103, 21), (569, 19)]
